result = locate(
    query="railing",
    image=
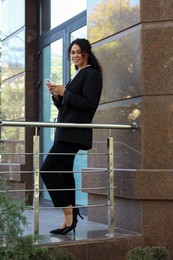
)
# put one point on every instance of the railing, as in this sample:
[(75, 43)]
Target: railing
[(36, 154)]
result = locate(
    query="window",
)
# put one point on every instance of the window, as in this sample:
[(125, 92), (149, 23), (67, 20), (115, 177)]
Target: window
[(56, 12)]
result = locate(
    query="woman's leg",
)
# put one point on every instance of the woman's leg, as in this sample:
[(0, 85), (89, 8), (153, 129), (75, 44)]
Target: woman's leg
[(64, 178)]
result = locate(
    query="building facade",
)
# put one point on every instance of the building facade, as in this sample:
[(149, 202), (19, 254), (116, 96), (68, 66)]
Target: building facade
[(133, 41)]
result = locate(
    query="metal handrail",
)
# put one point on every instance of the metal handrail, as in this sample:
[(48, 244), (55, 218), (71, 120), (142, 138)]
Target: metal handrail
[(133, 126), (77, 189), (36, 153)]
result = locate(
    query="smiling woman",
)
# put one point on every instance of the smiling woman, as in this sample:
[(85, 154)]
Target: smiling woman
[(76, 102), (79, 58)]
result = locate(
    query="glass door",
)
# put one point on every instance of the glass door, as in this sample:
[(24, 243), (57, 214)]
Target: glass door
[(53, 70)]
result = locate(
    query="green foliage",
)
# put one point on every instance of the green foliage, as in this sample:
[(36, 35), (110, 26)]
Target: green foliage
[(148, 253), (12, 221), (53, 254), (11, 216), (24, 249)]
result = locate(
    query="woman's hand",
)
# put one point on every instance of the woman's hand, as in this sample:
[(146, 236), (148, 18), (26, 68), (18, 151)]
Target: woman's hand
[(50, 88), (56, 90)]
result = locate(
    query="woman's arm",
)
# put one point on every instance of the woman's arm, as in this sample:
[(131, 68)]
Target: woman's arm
[(57, 91), (89, 98)]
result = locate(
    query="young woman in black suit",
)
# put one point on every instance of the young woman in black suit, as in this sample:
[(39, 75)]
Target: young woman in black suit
[(77, 103)]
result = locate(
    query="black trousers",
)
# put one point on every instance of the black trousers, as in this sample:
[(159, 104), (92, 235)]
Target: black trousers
[(62, 180)]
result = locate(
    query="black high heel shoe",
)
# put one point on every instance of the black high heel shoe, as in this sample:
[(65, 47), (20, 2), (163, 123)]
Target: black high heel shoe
[(74, 223), (58, 231)]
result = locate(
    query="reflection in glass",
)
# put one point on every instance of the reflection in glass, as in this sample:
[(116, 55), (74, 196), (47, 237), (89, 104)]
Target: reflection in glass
[(53, 67), (14, 145), (122, 57), (80, 33), (107, 17), (56, 12), (13, 98), (13, 104), (13, 55), (134, 3), (16, 11)]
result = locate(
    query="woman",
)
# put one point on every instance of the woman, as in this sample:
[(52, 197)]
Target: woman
[(77, 103)]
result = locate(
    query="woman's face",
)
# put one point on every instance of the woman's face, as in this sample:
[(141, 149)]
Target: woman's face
[(79, 59)]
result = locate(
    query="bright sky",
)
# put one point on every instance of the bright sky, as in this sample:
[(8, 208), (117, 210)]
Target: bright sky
[(66, 9)]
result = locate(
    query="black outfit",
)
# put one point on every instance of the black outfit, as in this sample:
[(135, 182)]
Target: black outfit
[(78, 105)]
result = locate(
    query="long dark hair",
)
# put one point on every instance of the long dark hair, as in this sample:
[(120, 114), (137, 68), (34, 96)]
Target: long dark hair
[(85, 47)]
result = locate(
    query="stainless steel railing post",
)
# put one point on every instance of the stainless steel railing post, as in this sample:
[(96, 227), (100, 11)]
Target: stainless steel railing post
[(111, 213), (36, 148), (36, 143)]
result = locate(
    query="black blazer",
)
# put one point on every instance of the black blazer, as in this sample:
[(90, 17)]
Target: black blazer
[(78, 105)]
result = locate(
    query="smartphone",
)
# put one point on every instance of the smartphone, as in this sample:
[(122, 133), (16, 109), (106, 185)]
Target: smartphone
[(48, 81)]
